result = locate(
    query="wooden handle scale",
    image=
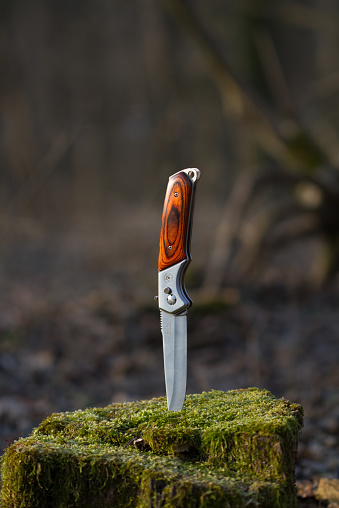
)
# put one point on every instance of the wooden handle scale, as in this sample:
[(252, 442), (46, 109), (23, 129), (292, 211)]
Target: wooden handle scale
[(176, 221)]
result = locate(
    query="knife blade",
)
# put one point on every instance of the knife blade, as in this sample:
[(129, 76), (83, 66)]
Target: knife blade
[(174, 258)]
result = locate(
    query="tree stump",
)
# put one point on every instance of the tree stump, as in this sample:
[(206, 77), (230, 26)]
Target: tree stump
[(230, 449)]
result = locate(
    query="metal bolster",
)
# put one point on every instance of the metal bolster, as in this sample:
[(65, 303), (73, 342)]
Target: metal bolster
[(192, 173), (171, 289)]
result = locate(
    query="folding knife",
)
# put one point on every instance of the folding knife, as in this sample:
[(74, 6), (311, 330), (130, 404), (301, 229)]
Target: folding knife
[(174, 258)]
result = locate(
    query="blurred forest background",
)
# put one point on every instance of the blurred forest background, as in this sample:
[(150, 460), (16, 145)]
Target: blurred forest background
[(101, 101)]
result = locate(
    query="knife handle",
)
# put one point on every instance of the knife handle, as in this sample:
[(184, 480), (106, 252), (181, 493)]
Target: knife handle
[(176, 218)]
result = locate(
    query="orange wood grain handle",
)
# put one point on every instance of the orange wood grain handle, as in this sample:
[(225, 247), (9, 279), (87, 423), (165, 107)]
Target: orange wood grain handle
[(174, 233)]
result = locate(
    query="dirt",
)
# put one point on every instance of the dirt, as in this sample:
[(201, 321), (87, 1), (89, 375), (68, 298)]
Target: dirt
[(79, 330)]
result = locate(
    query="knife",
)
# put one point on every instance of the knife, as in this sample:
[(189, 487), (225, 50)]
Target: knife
[(174, 258)]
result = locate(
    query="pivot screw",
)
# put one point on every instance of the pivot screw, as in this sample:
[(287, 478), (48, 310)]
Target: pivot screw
[(170, 247), (168, 291), (176, 194), (171, 299)]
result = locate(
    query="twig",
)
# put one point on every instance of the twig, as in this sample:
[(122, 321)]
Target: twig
[(228, 226), (282, 137), (43, 172)]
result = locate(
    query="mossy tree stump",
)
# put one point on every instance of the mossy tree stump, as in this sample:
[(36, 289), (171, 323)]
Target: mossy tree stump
[(225, 449)]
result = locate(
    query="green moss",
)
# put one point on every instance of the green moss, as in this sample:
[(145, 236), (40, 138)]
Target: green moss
[(231, 449)]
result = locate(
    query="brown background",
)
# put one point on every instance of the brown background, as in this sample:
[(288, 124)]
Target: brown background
[(100, 102)]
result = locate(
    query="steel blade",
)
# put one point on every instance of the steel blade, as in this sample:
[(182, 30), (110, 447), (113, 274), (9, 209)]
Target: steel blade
[(174, 335)]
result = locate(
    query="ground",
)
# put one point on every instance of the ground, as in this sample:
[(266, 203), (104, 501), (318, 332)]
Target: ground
[(79, 328)]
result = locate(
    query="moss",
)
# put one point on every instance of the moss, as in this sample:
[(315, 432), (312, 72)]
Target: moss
[(231, 449)]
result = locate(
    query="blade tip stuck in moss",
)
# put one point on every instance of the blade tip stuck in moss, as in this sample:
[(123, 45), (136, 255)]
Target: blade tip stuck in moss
[(233, 449)]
